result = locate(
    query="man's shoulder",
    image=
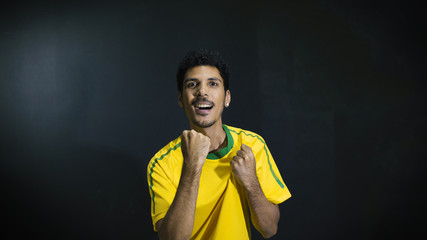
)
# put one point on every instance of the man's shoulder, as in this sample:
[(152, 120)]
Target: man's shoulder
[(167, 149), (245, 135)]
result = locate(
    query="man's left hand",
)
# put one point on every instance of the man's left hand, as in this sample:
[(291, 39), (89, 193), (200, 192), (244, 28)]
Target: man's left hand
[(243, 166)]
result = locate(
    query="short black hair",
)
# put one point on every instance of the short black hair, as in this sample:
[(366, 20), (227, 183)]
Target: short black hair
[(202, 57)]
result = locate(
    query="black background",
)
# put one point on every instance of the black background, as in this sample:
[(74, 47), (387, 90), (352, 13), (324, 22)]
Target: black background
[(336, 88)]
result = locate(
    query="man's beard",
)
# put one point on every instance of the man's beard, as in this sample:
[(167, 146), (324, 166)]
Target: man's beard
[(203, 124)]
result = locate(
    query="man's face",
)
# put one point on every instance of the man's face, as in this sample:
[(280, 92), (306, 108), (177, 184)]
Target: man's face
[(203, 97)]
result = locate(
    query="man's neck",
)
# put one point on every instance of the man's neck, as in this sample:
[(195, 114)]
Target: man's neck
[(216, 133)]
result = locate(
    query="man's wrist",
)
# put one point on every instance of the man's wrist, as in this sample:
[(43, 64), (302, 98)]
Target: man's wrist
[(192, 165), (252, 185)]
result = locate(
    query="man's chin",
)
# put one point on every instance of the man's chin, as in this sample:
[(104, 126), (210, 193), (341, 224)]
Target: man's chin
[(203, 124)]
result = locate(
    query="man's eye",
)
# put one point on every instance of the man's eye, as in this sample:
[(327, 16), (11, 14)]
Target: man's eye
[(191, 84), (213, 84)]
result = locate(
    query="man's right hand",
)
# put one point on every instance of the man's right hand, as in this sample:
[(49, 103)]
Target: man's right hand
[(195, 148), (179, 220)]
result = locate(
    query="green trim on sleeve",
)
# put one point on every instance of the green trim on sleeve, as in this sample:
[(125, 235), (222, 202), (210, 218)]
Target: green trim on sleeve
[(151, 171), (266, 153)]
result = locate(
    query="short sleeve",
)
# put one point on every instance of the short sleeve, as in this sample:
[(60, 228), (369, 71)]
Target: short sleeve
[(269, 176), (162, 190)]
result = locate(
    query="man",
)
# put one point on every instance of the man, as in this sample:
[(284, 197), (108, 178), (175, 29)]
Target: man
[(208, 182)]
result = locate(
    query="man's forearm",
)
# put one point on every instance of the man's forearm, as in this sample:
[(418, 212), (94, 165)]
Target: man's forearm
[(264, 214), (179, 220)]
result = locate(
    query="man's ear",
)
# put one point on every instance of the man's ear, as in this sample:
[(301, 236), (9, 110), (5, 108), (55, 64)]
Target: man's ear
[(227, 98), (180, 99)]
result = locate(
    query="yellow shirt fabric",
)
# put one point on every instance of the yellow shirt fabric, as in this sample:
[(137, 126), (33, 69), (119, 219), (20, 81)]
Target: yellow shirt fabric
[(222, 210)]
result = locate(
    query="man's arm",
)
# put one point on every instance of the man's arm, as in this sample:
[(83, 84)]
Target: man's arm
[(264, 214), (179, 220)]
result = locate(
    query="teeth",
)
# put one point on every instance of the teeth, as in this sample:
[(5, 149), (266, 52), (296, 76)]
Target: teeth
[(203, 105)]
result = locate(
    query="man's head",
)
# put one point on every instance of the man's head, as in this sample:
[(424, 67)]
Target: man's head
[(202, 57), (203, 88)]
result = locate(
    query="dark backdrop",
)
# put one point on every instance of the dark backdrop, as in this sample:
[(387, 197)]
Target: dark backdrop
[(336, 88)]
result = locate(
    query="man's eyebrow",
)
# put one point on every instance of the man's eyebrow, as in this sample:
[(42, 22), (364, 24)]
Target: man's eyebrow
[(214, 78), (196, 79), (190, 79)]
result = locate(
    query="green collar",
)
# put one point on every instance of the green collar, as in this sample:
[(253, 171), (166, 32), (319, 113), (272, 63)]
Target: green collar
[(221, 153)]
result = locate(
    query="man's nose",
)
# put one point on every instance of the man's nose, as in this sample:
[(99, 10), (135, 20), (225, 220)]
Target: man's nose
[(202, 90)]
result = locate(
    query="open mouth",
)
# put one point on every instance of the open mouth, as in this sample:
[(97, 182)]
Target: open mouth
[(203, 108)]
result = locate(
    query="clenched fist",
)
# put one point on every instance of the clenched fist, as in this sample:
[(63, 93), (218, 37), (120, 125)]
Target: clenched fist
[(195, 148), (243, 166)]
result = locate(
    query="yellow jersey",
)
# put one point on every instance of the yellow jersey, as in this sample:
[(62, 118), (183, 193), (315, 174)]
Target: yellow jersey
[(222, 210)]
